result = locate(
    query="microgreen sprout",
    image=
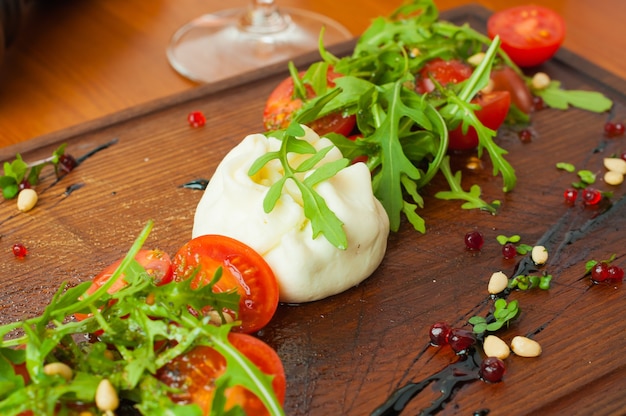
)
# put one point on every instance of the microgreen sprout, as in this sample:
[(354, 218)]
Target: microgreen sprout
[(515, 239), (502, 315), (591, 263), (18, 173), (587, 178), (568, 167), (527, 282)]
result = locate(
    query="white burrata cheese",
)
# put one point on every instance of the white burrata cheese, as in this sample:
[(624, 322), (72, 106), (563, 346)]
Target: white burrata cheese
[(307, 269)]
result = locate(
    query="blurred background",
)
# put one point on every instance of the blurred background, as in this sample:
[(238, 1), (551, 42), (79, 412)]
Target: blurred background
[(66, 62)]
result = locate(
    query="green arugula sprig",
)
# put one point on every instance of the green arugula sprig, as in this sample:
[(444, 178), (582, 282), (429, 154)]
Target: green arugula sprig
[(503, 314), (555, 96), (323, 219), (473, 197), (128, 353), (405, 134), (17, 171)]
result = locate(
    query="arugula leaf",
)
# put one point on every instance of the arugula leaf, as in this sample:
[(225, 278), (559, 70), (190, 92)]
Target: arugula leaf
[(323, 220), (134, 319), (556, 97), (456, 190)]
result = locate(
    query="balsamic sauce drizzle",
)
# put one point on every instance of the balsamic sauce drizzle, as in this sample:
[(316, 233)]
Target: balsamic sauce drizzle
[(465, 370)]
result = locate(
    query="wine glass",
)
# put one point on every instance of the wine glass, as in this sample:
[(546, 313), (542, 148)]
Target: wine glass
[(219, 45)]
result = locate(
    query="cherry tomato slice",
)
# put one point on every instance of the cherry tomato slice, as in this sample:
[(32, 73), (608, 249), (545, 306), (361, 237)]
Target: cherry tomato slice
[(530, 34), (493, 111), (506, 79), (195, 372), (242, 269), (156, 262), (281, 105), (444, 72)]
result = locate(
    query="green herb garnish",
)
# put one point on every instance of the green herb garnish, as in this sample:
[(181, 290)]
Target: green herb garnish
[(18, 171), (502, 315), (556, 97), (130, 349)]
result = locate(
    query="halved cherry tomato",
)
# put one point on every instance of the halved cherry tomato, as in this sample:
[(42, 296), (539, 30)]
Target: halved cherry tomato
[(281, 105), (493, 111), (494, 105), (195, 372), (506, 79), (530, 34), (242, 269), (444, 72), (157, 264)]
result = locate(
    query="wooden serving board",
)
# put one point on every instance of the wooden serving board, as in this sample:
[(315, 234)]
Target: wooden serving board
[(345, 355)]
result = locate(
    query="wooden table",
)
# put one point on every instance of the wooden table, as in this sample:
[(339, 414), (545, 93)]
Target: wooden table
[(76, 61), (348, 353)]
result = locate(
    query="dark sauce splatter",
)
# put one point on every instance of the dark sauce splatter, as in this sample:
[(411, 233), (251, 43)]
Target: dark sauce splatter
[(447, 381), (196, 184), (72, 188), (465, 370)]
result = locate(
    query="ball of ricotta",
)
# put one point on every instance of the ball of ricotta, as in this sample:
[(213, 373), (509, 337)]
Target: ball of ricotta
[(307, 268)]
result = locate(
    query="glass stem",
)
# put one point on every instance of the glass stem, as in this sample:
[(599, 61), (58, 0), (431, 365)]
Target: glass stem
[(263, 17)]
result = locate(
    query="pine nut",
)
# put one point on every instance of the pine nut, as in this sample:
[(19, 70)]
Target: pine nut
[(26, 199), (497, 283), (495, 347), (615, 164), (613, 177), (539, 255), (540, 81), (59, 369), (476, 59), (107, 399), (525, 347)]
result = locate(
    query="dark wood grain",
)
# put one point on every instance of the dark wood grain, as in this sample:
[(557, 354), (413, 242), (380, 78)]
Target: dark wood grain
[(348, 353)]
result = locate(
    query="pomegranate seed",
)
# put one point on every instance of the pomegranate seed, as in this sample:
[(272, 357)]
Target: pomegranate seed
[(24, 184), (461, 340), (19, 250), (600, 272), (509, 251), (591, 196), (538, 103), (623, 155), (570, 195), (614, 129), (525, 136), (66, 163), (474, 240), (615, 273), (491, 369), (439, 333), (196, 119)]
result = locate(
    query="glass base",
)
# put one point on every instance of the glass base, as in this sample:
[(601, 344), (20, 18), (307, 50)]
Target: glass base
[(214, 46)]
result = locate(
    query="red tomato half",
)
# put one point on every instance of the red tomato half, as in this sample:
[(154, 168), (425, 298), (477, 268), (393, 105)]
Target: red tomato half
[(156, 262), (444, 72), (195, 372), (506, 79), (281, 105), (530, 35), (242, 269), (493, 111)]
